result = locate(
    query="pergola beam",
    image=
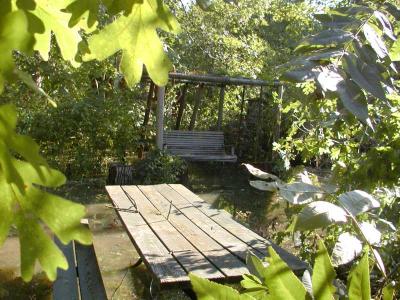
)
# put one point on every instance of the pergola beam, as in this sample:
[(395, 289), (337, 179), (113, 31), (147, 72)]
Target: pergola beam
[(160, 117)]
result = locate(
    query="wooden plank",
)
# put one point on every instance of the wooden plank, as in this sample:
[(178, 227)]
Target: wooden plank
[(66, 285), (187, 255), (225, 220), (90, 282), (155, 255), (229, 264), (205, 223)]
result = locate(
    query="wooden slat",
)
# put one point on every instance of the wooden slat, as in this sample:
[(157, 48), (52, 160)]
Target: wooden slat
[(226, 221), (189, 257), (66, 285), (90, 282), (223, 259), (156, 256), (205, 223)]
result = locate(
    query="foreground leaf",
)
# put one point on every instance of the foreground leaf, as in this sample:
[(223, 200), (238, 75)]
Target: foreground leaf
[(264, 186), (346, 249), (323, 275), (370, 232), (354, 100), (136, 35), (208, 290), (357, 202), (375, 41), (281, 281), (33, 210), (359, 282), (324, 39), (299, 192), (260, 174), (319, 214), (254, 287)]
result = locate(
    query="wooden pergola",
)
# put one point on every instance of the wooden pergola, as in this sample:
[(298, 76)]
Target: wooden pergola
[(205, 80)]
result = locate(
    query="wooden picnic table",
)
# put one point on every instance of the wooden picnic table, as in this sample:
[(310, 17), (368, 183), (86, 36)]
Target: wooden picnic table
[(175, 232)]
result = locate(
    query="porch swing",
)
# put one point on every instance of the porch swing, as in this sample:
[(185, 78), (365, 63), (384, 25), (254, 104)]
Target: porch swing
[(195, 145)]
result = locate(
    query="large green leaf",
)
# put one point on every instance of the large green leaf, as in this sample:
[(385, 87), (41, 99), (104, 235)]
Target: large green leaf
[(323, 274), (136, 35), (388, 292), (329, 79), (370, 232), (385, 23), (56, 21), (14, 35), (337, 21), (346, 249), (358, 280), (319, 214), (255, 266), (299, 192), (354, 100), (357, 202), (375, 41), (83, 9), (254, 287), (33, 210), (324, 39), (281, 281), (364, 75), (208, 290), (260, 174), (264, 186)]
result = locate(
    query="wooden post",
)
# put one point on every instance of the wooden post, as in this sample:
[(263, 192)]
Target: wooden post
[(148, 104), (160, 116), (221, 107), (182, 104), (197, 102), (241, 119)]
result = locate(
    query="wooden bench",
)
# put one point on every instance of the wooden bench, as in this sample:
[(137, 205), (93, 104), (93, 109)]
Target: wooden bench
[(198, 145), (175, 232), (82, 280)]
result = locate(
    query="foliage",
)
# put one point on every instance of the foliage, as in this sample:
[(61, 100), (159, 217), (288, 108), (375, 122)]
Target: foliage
[(27, 26), (349, 72), (160, 167), (274, 280), (27, 205)]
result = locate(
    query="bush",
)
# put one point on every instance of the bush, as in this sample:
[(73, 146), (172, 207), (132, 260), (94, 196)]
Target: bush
[(160, 167)]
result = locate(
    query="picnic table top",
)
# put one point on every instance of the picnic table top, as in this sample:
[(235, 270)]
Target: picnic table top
[(176, 232)]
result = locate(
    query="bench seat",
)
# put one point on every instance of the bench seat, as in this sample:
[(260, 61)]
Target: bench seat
[(198, 145)]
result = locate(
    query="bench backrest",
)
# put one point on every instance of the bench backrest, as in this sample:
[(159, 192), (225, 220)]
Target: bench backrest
[(194, 142)]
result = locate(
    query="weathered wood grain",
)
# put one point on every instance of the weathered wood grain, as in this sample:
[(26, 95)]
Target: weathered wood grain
[(243, 233), (155, 255)]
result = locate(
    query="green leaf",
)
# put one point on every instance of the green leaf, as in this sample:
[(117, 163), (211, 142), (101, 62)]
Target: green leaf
[(354, 100), (281, 281), (337, 21), (33, 210), (324, 39), (346, 249), (255, 266), (388, 292), (36, 244), (299, 75), (370, 232), (253, 287), (135, 34), (299, 192), (357, 202), (83, 9), (14, 35), (323, 274), (364, 75), (329, 79), (208, 290), (358, 280), (55, 21), (375, 41), (395, 51), (385, 23), (260, 174), (264, 186), (319, 214)]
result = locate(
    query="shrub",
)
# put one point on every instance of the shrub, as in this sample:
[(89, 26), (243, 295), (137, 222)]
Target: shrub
[(160, 167)]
